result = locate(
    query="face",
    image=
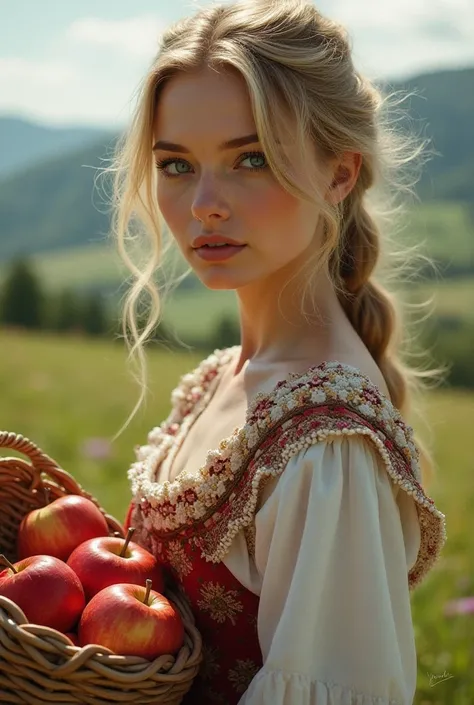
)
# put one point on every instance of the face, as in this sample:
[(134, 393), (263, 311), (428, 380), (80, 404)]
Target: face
[(204, 189)]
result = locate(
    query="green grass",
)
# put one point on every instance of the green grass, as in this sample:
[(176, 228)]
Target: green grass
[(91, 266), (451, 297), (446, 228), (80, 267), (195, 313), (61, 391)]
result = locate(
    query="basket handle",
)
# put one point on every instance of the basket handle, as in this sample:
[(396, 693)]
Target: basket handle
[(39, 459), (43, 463)]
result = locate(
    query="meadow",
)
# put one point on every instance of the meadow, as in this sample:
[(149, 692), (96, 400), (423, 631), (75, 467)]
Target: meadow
[(71, 395), (442, 229)]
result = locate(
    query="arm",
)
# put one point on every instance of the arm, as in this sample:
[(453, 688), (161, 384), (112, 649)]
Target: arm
[(334, 617)]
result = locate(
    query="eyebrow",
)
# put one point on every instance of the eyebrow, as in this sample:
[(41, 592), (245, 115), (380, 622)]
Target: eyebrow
[(231, 144)]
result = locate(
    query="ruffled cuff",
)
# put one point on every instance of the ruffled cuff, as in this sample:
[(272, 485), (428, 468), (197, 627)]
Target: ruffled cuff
[(280, 688)]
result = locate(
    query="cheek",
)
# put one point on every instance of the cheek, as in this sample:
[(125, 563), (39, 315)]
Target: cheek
[(173, 210), (275, 213)]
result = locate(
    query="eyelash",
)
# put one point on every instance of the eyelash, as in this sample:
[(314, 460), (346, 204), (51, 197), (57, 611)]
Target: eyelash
[(161, 165)]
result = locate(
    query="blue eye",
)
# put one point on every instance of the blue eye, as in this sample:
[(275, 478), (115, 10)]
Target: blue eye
[(161, 166), (255, 155)]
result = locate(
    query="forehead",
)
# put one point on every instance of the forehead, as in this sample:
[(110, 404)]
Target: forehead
[(206, 104)]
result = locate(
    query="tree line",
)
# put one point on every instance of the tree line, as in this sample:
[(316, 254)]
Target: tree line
[(24, 303)]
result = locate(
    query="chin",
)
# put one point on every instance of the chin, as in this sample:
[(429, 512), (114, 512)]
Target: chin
[(222, 277), (220, 281)]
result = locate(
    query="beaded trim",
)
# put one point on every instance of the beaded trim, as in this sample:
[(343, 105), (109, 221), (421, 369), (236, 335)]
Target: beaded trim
[(209, 507)]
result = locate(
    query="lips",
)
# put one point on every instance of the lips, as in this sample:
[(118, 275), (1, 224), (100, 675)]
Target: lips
[(214, 239)]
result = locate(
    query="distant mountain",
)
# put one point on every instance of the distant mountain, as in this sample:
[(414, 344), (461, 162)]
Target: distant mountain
[(54, 205), (23, 143), (443, 110)]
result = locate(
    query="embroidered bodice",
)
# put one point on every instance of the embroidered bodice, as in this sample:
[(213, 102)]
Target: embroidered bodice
[(341, 400), (195, 523)]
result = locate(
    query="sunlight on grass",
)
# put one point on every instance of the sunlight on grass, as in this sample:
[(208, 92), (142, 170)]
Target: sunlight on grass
[(70, 396)]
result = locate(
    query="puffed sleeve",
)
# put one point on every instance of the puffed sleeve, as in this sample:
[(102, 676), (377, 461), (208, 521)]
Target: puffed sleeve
[(333, 546)]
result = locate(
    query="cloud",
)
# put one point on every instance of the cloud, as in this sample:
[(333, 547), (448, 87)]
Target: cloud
[(391, 39), (396, 18), (136, 36), (34, 87), (90, 76), (57, 91), (46, 73), (89, 71)]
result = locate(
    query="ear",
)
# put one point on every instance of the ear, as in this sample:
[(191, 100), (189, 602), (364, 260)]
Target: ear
[(345, 172)]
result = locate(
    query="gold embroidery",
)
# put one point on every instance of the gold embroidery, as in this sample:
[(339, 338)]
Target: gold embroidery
[(210, 666), (242, 675), (253, 620), (219, 602), (178, 559), (249, 532), (220, 499), (215, 698)]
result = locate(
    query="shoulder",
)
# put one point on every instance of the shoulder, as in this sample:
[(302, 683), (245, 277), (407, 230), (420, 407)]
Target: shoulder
[(333, 424), (328, 403)]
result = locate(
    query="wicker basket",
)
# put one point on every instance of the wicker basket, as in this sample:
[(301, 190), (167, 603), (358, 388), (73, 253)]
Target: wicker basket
[(38, 664)]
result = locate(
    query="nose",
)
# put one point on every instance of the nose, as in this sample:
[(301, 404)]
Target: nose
[(209, 201)]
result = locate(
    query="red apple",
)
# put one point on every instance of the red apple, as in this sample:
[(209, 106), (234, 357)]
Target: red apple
[(110, 560), (60, 526), (46, 589), (132, 620)]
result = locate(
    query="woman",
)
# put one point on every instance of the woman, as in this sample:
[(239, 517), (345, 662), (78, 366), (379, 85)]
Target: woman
[(283, 492)]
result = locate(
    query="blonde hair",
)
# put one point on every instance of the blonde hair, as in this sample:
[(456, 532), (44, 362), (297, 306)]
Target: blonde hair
[(300, 76)]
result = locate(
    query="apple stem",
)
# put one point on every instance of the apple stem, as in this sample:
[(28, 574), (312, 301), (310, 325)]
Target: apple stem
[(4, 559), (47, 494), (148, 589), (127, 541)]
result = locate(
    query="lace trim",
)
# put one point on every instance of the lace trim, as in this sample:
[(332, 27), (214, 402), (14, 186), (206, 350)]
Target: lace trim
[(297, 434), (212, 505), (188, 400)]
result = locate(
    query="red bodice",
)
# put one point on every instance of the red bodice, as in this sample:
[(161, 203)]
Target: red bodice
[(190, 523), (226, 616)]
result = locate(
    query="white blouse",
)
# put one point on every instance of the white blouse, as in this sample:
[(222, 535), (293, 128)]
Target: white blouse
[(334, 541), (338, 526)]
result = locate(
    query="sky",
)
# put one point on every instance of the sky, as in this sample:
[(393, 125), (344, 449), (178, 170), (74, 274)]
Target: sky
[(80, 62)]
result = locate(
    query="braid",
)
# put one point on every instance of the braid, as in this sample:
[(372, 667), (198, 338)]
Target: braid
[(370, 307), (374, 311)]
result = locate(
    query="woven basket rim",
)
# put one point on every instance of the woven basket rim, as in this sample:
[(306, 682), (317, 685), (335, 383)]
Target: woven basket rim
[(19, 623)]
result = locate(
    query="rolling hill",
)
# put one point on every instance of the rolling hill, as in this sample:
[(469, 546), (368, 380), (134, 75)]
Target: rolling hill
[(443, 110), (54, 205), (24, 143)]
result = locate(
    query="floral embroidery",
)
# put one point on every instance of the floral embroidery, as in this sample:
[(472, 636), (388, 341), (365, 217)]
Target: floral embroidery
[(178, 560), (242, 675), (211, 506), (216, 698), (219, 602), (252, 619), (210, 665)]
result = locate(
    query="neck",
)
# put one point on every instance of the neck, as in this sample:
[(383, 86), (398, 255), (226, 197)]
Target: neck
[(274, 329)]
